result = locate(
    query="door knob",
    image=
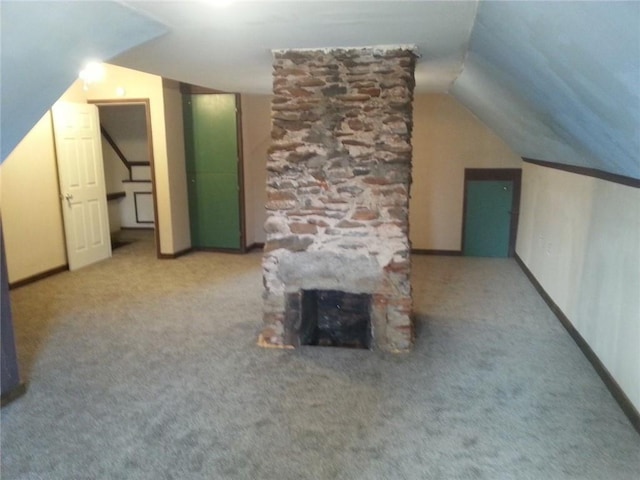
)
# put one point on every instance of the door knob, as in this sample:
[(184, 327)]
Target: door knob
[(68, 196)]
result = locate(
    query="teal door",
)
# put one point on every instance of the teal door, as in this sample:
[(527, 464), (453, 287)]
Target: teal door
[(211, 144), (487, 223)]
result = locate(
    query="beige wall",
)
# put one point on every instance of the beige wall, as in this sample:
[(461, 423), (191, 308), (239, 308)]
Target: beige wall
[(447, 138), (75, 93), (176, 168), (114, 169), (256, 137), (580, 237), (127, 126), (30, 203)]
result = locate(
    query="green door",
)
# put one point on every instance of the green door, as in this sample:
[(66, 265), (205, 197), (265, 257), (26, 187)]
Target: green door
[(211, 144), (487, 222)]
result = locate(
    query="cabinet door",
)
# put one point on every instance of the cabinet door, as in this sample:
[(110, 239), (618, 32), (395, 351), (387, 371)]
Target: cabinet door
[(211, 142)]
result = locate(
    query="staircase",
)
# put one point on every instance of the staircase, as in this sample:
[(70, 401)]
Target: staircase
[(129, 189)]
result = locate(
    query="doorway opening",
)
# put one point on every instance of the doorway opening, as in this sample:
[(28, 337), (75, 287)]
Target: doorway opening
[(490, 212), (127, 148)]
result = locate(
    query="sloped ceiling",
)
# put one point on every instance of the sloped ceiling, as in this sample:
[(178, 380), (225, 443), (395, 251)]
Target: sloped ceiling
[(230, 48), (45, 45), (558, 81)]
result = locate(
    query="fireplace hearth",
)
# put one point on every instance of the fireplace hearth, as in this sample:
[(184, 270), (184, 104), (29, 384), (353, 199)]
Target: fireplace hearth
[(336, 261)]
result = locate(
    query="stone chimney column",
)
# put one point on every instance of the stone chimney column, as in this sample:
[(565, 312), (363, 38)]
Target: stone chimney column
[(338, 179)]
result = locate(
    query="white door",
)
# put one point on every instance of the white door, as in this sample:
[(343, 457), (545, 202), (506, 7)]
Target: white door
[(82, 186)]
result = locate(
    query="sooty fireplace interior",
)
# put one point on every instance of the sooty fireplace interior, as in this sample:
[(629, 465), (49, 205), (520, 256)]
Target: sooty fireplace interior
[(336, 260), (328, 318)]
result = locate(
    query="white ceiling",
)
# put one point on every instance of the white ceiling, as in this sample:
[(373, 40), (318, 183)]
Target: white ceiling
[(557, 80), (229, 48)]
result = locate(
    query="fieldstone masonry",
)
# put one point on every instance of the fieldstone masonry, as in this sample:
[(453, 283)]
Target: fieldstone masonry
[(339, 171)]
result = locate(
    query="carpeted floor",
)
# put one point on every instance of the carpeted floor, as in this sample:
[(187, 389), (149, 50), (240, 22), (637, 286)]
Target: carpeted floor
[(145, 369)]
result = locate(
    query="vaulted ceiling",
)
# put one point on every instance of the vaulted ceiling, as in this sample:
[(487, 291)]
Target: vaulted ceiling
[(44, 46), (558, 81)]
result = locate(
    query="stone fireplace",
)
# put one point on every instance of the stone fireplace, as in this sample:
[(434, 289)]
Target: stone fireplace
[(336, 261)]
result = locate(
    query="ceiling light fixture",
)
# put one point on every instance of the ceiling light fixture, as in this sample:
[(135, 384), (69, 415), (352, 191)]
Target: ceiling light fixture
[(91, 73)]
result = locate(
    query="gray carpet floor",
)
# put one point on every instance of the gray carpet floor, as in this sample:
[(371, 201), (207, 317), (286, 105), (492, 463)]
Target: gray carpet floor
[(145, 369)]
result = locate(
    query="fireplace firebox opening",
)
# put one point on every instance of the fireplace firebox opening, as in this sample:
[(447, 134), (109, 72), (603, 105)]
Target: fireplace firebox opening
[(332, 318)]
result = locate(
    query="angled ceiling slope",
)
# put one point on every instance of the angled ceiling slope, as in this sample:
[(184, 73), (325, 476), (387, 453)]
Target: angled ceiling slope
[(44, 46), (559, 81), (230, 48)]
